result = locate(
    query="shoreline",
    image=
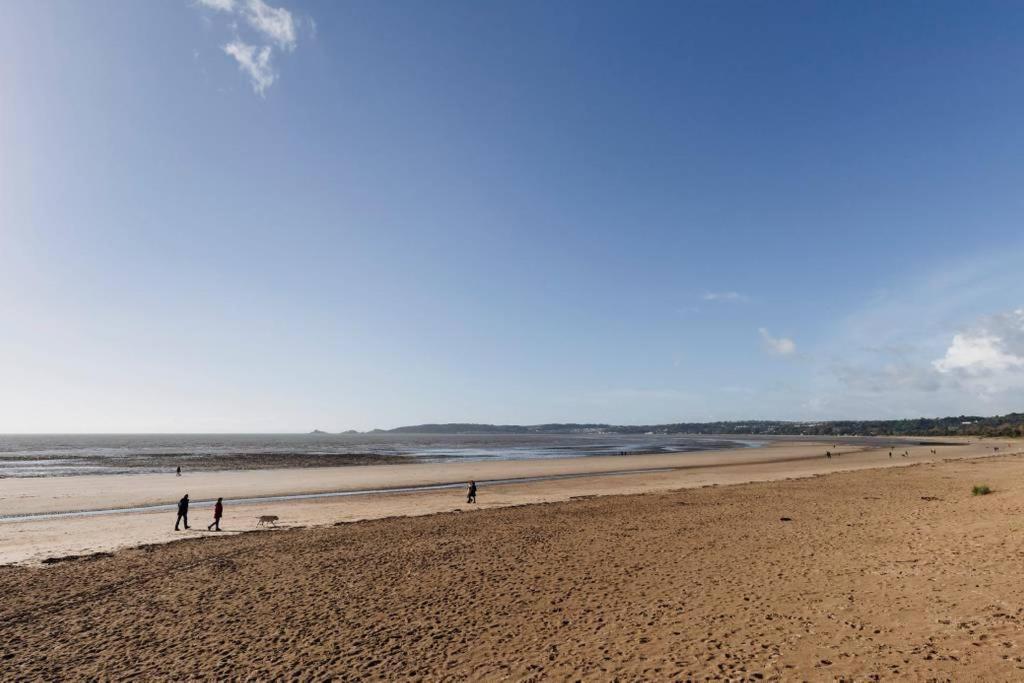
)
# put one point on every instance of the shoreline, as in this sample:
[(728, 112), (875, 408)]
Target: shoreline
[(882, 572), (329, 494), (307, 498), (81, 455), (58, 463)]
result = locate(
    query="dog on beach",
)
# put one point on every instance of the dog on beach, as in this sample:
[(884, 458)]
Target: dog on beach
[(267, 519)]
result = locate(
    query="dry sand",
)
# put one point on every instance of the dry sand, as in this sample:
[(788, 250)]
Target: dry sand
[(880, 574)]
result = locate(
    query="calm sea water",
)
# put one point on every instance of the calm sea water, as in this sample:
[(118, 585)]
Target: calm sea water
[(59, 455)]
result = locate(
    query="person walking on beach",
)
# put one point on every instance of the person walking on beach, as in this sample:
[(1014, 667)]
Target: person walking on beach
[(471, 496), (182, 513), (218, 512), (178, 473)]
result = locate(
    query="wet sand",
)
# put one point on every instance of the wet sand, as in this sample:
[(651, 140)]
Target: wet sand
[(90, 492), (880, 573), (196, 462)]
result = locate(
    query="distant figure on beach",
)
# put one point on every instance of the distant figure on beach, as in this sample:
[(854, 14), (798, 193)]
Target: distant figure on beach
[(182, 513), (890, 453), (218, 512), (828, 454), (471, 495), (178, 473)]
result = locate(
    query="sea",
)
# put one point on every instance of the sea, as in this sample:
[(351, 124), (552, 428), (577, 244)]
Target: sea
[(69, 454)]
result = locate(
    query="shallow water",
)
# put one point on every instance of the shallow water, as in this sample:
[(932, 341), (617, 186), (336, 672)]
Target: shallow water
[(60, 455)]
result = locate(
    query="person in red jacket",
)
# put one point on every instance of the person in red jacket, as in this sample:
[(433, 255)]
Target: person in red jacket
[(218, 512)]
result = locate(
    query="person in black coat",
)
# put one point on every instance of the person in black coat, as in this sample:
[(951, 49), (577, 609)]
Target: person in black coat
[(182, 513)]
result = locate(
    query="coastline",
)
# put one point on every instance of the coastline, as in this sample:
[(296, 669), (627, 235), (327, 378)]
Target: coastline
[(864, 573), (540, 481), (48, 455)]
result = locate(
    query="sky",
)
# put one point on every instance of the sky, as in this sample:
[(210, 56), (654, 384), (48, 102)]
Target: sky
[(280, 215)]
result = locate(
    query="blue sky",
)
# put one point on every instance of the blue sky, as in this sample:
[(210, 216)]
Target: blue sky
[(249, 215)]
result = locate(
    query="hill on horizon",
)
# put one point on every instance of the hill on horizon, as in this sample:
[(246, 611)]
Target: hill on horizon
[(1009, 425)]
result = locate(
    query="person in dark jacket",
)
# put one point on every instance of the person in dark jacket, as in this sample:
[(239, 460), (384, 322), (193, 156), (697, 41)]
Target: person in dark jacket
[(182, 513), (218, 512), (471, 496)]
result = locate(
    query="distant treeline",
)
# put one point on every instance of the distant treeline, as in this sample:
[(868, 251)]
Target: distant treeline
[(967, 425)]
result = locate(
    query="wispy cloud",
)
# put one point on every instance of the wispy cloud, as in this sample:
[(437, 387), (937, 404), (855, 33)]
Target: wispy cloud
[(892, 373), (944, 340), (731, 297), (219, 5), (631, 394), (255, 62), (981, 368), (276, 23), (268, 27), (782, 346)]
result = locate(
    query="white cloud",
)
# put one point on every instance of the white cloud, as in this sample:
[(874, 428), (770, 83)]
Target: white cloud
[(979, 368), (734, 297), (276, 23), (219, 5), (976, 355), (996, 344), (880, 360), (254, 49), (782, 346), (254, 61)]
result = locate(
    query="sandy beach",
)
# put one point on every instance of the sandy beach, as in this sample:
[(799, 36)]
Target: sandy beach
[(36, 540), (873, 573), (503, 341)]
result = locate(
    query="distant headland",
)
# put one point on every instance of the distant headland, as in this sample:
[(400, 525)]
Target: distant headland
[(1009, 425)]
